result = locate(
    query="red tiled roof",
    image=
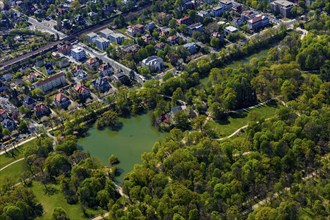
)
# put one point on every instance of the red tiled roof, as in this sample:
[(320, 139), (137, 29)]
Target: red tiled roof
[(80, 88), (91, 61), (40, 107), (49, 79), (59, 97)]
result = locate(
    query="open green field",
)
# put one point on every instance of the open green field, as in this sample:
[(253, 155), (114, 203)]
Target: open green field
[(238, 120), (55, 199), (12, 174)]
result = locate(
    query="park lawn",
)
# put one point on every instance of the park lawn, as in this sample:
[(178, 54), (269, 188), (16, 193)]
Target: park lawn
[(12, 173), (57, 199), (236, 121), (14, 154)]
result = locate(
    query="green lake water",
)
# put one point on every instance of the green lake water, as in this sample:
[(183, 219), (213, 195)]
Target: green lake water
[(134, 138)]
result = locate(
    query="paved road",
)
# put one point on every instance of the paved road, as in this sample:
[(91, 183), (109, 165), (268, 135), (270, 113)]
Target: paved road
[(45, 26)]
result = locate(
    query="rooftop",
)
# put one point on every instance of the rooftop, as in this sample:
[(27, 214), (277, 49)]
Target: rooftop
[(77, 50), (231, 28), (284, 3), (106, 31), (49, 79)]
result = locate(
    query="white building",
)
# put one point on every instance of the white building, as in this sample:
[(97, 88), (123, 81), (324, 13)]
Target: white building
[(51, 82), (155, 63), (102, 43), (78, 54), (230, 30), (91, 37)]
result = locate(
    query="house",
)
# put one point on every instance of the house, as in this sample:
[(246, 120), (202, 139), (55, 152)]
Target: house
[(218, 35), (282, 7), (81, 91), (146, 38), (61, 100), (51, 82), (41, 110), (105, 70), (226, 4), (237, 8), (78, 54), (64, 63), (116, 37), (159, 46), (258, 22), (101, 85), (189, 5), (7, 77), (122, 78), (49, 68), (130, 49), (155, 63), (29, 102), (8, 124), (237, 22), (92, 63), (64, 48), (150, 26), (191, 47), (185, 20), (81, 74), (247, 15), (217, 11), (230, 30), (202, 15), (102, 43), (133, 30), (198, 27), (171, 40), (3, 114), (32, 77), (91, 37)]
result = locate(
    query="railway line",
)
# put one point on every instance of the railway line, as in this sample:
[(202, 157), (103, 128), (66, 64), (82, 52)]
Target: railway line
[(53, 45)]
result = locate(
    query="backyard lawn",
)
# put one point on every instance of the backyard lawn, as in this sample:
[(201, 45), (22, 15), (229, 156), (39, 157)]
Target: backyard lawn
[(238, 120)]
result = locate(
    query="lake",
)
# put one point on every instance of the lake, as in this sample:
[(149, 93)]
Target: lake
[(134, 138)]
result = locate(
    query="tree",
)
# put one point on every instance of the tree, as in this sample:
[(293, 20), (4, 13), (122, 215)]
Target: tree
[(181, 120), (60, 214), (215, 42)]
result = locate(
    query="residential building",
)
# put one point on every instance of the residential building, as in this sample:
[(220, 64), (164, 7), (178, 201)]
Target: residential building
[(92, 63), (237, 22), (78, 54), (91, 37), (102, 43), (61, 100), (49, 68), (41, 110), (64, 48), (193, 48), (116, 37), (258, 22), (217, 11), (29, 102), (105, 70), (202, 15), (159, 46), (81, 91), (32, 77), (81, 74), (146, 38), (282, 7), (226, 4), (51, 82), (230, 30), (101, 85), (185, 20), (130, 49), (218, 35), (247, 15), (155, 63), (8, 124), (106, 33), (171, 40), (150, 26), (64, 63), (133, 30), (237, 8), (198, 27), (3, 114)]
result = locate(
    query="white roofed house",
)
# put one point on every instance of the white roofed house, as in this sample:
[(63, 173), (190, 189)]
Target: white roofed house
[(155, 63), (91, 37), (230, 30)]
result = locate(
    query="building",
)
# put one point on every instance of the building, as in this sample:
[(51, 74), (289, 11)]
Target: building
[(92, 63), (29, 102), (198, 27), (247, 15), (51, 82), (116, 37), (105, 70), (202, 15), (101, 85), (217, 11), (258, 22), (191, 47), (150, 26), (237, 22), (8, 124), (230, 30), (171, 40), (91, 37), (64, 48), (106, 33), (3, 114), (226, 4), (133, 30), (155, 63), (282, 7), (185, 20), (130, 49), (61, 100), (49, 68), (218, 35), (102, 43), (64, 63), (81, 91), (41, 110), (78, 54)]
